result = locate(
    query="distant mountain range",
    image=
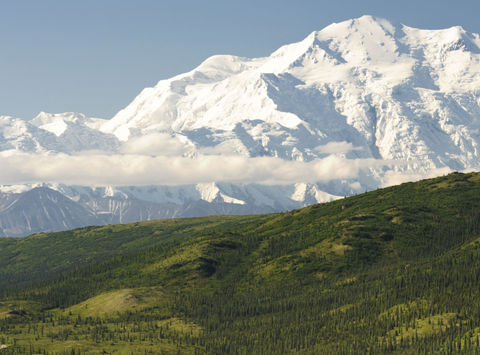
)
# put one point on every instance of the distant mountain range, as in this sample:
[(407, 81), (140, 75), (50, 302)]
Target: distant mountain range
[(397, 102)]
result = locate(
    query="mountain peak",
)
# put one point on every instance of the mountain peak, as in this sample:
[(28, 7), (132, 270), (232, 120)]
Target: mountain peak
[(366, 24), (360, 104), (362, 81)]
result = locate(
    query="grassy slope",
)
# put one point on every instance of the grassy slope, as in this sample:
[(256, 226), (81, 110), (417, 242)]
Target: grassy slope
[(23, 260), (391, 270)]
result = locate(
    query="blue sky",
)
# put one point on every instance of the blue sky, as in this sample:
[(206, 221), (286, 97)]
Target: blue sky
[(94, 56)]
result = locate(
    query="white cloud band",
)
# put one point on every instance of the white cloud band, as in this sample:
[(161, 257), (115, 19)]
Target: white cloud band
[(138, 169)]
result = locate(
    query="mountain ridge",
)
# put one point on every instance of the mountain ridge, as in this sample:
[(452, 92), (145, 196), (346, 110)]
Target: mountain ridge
[(361, 104)]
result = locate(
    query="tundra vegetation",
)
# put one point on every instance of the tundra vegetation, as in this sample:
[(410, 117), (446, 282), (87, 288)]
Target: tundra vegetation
[(395, 270)]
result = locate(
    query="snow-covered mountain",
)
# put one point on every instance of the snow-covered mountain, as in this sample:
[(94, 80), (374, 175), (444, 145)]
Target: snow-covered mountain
[(34, 208), (392, 100), (41, 210), (392, 91), (61, 133)]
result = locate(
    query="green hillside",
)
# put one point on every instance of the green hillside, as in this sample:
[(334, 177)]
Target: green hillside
[(395, 270)]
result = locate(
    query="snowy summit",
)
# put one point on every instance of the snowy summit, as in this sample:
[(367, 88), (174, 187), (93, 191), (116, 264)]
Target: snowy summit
[(360, 104)]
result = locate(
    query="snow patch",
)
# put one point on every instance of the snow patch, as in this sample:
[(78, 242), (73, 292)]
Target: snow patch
[(228, 199), (208, 191)]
